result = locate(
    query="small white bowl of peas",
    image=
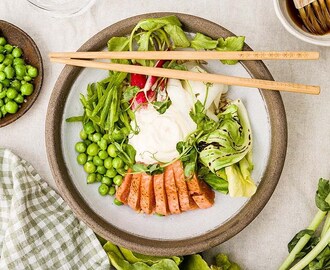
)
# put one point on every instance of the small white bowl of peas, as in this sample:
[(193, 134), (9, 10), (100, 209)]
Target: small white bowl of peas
[(21, 72)]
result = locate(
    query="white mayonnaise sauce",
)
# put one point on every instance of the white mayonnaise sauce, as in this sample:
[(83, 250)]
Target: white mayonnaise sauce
[(159, 133)]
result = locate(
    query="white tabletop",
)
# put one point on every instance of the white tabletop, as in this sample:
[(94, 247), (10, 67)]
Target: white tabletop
[(262, 245)]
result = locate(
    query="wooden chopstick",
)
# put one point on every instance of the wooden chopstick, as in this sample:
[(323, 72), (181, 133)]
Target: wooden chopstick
[(194, 76), (190, 55)]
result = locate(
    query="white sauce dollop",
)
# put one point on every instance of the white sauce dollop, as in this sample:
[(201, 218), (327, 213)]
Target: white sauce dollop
[(159, 133)]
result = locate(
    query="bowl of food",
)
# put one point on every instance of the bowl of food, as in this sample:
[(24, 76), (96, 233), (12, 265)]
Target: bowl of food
[(292, 20), (21, 72), (163, 166)]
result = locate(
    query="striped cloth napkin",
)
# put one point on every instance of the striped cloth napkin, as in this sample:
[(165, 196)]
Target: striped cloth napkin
[(37, 228)]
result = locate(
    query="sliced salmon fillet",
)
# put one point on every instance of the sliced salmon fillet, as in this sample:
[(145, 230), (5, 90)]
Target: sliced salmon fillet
[(171, 191), (160, 195), (147, 200), (123, 191), (185, 200), (201, 193), (135, 192)]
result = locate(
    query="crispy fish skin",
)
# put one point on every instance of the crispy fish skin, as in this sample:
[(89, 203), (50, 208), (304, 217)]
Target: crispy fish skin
[(135, 192), (160, 195), (171, 191), (147, 200), (185, 200), (201, 193), (124, 189)]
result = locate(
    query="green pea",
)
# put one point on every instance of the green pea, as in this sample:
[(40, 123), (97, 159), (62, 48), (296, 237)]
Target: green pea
[(18, 61), (103, 189), (19, 99), (121, 171), (3, 110), (111, 173), (117, 202), (106, 137), (118, 180), (99, 177), (102, 143), (82, 158), (20, 70), (117, 163), (106, 180), (2, 76), (89, 158), (108, 163), (87, 142), (97, 161), (2, 67), (1, 103), (80, 147), (117, 135), (2, 49), (126, 167), (101, 170), (3, 93), (83, 135), (89, 167), (103, 154), (6, 100), (9, 71), (125, 131), (17, 52), (8, 61), (6, 82), (11, 107), (16, 84), (92, 149), (91, 178), (96, 137), (11, 93), (90, 137), (27, 89), (2, 57), (112, 191), (32, 72), (27, 78), (89, 128), (3, 41), (9, 48), (112, 150)]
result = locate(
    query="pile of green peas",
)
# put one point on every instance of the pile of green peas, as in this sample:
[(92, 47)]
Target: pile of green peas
[(100, 160), (15, 78)]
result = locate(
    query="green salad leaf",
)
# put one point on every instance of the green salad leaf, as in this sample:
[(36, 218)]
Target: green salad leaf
[(162, 106), (240, 183), (177, 35), (201, 42), (230, 142), (230, 44), (218, 183), (118, 44), (194, 262)]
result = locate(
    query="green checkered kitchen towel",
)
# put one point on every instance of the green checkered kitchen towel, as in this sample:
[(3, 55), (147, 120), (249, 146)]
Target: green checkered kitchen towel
[(37, 228)]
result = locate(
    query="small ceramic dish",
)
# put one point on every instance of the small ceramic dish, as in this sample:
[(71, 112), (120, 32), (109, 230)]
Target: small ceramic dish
[(32, 56), (282, 13), (189, 232)]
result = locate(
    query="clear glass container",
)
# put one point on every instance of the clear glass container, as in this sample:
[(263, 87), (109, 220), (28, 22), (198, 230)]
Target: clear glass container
[(62, 8)]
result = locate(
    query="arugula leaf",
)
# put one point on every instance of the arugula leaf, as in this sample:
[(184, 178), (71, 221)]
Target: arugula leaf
[(162, 106), (230, 44), (129, 93), (177, 35), (118, 44), (323, 190), (201, 42), (153, 24)]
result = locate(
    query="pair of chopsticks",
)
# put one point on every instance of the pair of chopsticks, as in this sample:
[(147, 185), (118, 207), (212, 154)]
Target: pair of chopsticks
[(75, 59)]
